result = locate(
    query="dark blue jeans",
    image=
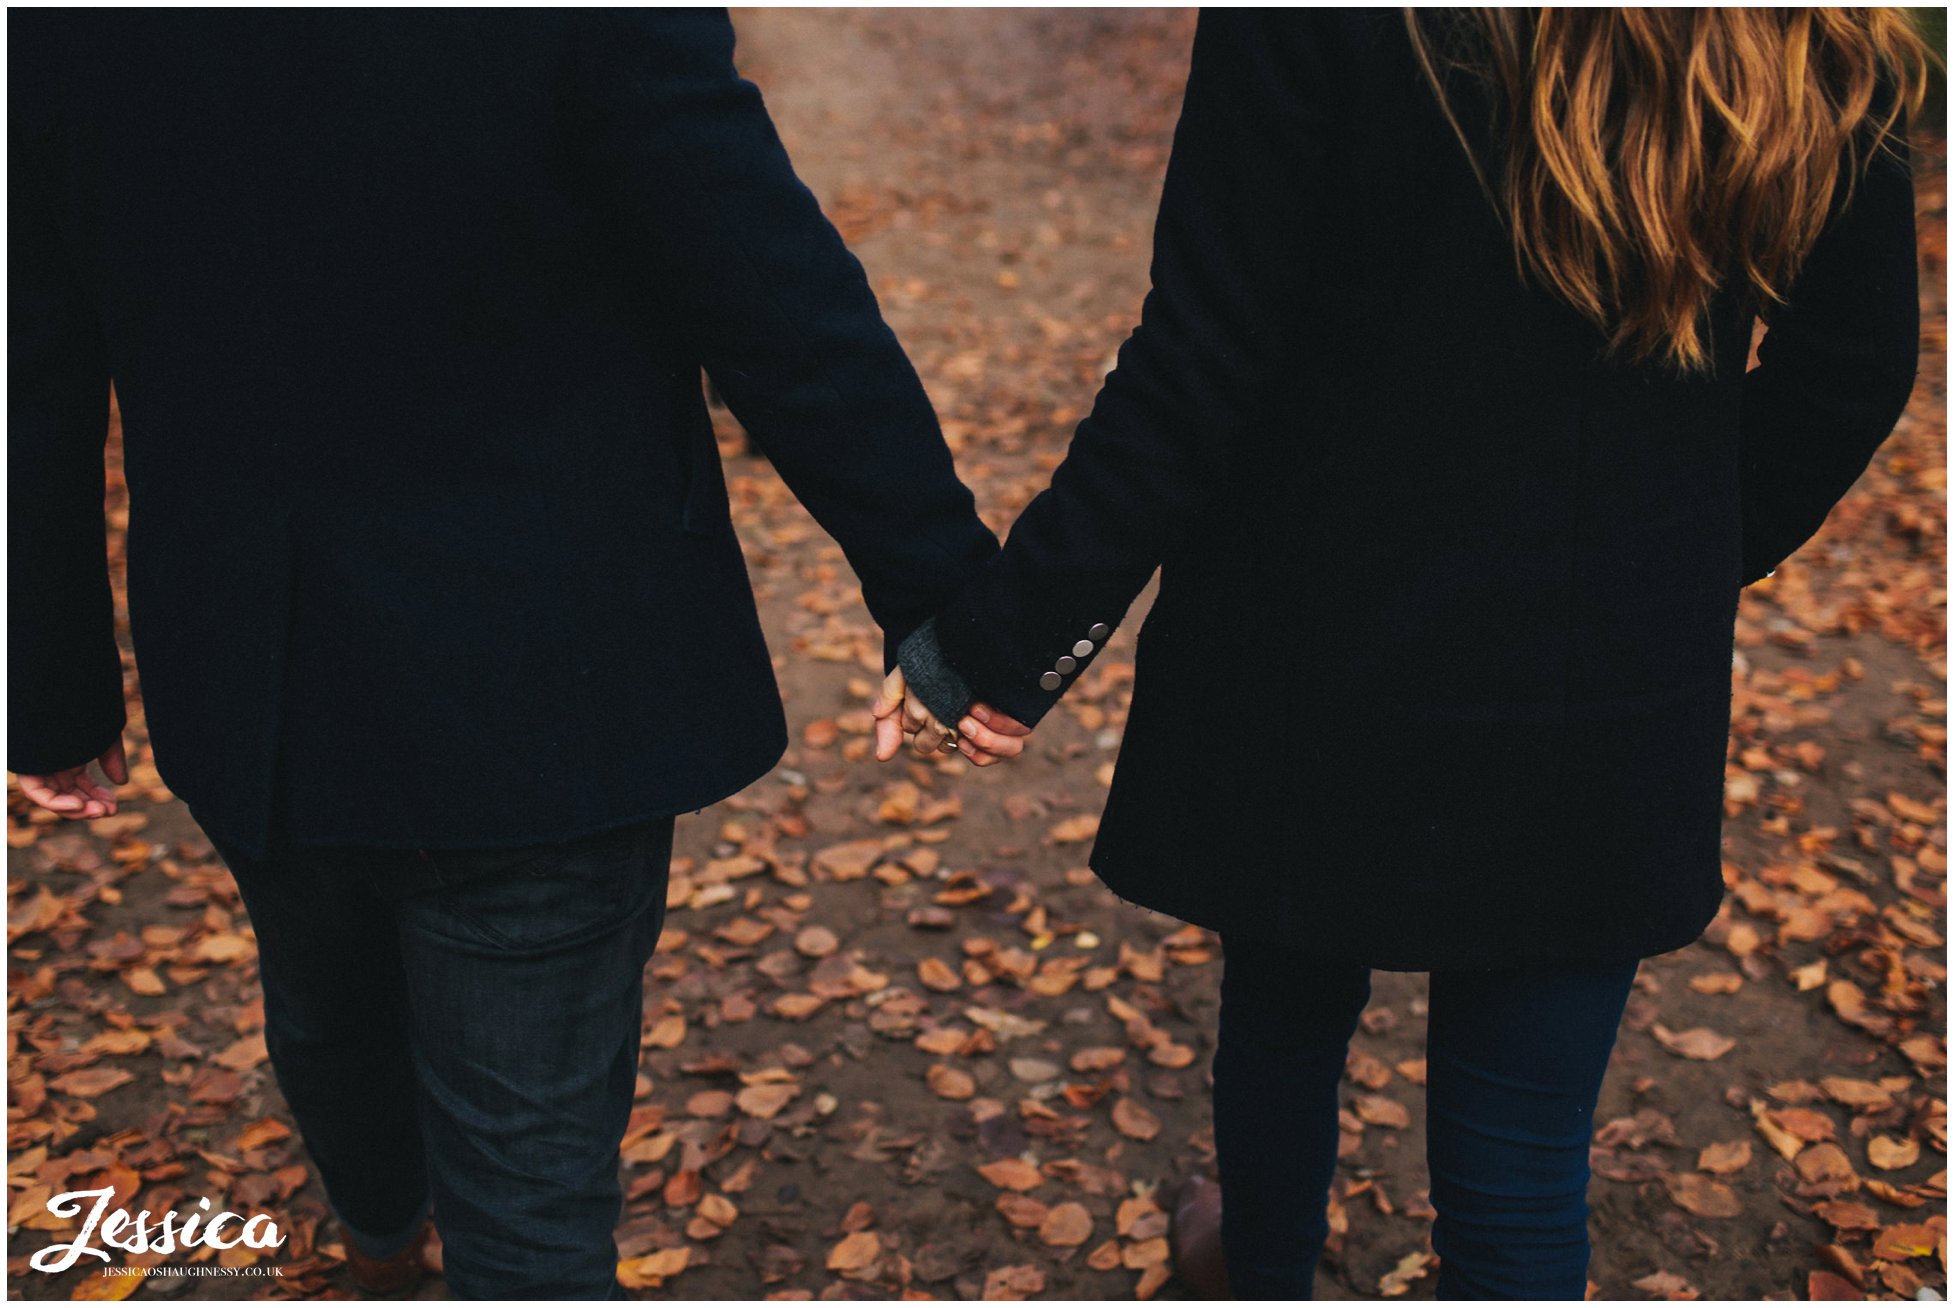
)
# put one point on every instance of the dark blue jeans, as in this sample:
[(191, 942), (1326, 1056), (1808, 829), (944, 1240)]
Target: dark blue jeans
[(461, 1029), (1514, 1064)]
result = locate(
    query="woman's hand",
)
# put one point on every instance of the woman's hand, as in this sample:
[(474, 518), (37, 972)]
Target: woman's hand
[(984, 736)]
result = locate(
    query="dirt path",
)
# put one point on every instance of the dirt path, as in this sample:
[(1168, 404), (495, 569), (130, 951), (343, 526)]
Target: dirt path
[(897, 1039)]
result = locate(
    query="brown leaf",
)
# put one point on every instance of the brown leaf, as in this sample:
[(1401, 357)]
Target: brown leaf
[(709, 1103), (1807, 1124), (1899, 1243), (262, 1132), (942, 1041), (938, 975), (1830, 1287), (1667, 1285), (1864, 1096), (848, 861), (763, 1101), (1134, 1121), (1371, 1073), (222, 947), (1379, 1110), (1097, 1058), (654, 1269), (1699, 1042), (1022, 1211), (857, 1251), (88, 1082), (241, 1055), (1171, 1055), (1074, 830), (950, 1082), (668, 1032), (1848, 1215), (798, 1007), (1067, 1226), (1696, 1193), (816, 942), (1724, 1157), (1825, 1163), (1139, 1218), (1398, 1280), (1012, 1174), (684, 1189), (1890, 1154), (1774, 1135), (1020, 1282)]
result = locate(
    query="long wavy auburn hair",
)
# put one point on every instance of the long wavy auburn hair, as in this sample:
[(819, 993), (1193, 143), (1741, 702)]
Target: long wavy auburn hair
[(1650, 158)]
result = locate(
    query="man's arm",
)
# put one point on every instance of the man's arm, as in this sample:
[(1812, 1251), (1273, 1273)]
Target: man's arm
[(780, 310), (64, 673)]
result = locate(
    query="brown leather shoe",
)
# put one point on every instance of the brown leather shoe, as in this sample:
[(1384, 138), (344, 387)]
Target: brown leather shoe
[(1196, 1239), (390, 1278)]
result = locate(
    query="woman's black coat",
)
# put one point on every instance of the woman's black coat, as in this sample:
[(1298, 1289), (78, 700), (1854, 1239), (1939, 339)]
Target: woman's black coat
[(1439, 671)]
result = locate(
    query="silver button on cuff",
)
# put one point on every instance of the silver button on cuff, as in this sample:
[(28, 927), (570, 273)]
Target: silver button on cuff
[(1083, 648), (1050, 681), (1065, 664), (1100, 631)]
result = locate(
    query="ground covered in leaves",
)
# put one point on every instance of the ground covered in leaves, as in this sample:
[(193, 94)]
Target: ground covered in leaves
[(898, 1041)]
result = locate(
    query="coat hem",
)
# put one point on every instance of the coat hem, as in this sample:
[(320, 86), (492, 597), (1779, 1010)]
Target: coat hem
[(1269, 929)]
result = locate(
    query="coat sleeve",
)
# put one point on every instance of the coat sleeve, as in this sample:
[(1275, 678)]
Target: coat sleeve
[(1190, 382), (1834, 369), (64, 673), (780, 312)]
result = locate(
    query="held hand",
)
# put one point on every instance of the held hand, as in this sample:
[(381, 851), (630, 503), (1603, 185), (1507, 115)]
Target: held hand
[(984, 736), (72, 792)]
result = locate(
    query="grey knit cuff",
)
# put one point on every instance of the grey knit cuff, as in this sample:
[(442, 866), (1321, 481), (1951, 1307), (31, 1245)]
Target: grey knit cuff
[(931, 678)]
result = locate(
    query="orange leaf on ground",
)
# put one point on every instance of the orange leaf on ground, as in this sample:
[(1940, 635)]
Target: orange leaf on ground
[(654, 1269), (1696, 1193), (1699, 1042), (1066, 1226), (1889, 1154), (1398, 1280), (1012, 1174), (88, 1082), (1014, 1283), (1724, 1157), (1667, 1285), (1022, 1211), (1379, 1110), (950, 1082), (1134, 1121), (857, 1251)]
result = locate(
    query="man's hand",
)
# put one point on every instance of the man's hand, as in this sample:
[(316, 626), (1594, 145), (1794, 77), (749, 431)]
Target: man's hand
[(984, 736), (72, 792)]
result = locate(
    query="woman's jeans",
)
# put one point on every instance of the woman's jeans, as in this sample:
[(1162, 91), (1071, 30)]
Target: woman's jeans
[(462, 1027), (1514, 1066)]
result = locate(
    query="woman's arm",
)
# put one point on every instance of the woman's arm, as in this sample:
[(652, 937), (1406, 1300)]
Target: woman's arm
[(1235, 220), (1834, 369)]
